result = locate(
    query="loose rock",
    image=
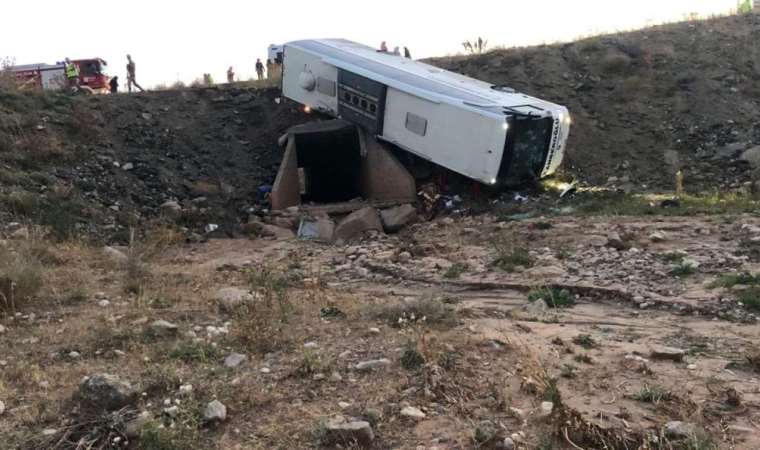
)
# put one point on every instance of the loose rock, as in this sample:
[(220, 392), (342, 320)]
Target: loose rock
[(413, 412), (215, 411), (231, 298), (373, 364), (668, 353), (162, 328), (340, 432), (234, 360), (106, 392), (394, 219), (356, 223)]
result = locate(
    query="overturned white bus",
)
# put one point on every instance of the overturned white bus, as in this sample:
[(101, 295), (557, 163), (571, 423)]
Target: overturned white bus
[(489, 133)]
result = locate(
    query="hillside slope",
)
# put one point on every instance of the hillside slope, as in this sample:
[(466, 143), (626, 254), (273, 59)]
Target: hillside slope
[(112, 161), (648, 102)]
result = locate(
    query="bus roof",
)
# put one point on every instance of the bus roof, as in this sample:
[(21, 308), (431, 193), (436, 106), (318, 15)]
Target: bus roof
[(420, 79)]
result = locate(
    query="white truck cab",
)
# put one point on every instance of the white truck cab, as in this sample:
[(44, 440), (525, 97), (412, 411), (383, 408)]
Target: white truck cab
[(488, 133)]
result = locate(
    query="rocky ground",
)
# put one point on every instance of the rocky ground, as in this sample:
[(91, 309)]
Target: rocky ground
[(596, 331)]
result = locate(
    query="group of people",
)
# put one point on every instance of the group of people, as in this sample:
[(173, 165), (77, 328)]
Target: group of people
[(72, 76), (396, 51), (273, 71)]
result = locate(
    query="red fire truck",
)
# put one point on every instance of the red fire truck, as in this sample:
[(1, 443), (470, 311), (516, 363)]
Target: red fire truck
[(53, 76)]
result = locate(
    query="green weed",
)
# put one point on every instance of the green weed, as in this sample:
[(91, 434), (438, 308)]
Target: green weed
[(554, 297)]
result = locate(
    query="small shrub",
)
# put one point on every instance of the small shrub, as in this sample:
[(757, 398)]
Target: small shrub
[(331, 312), (651, 394), (509, 257), (159, 380), (184, 436), (673, 257), (456, 270), (310, 363), (486, 432), (554, 298), (543, 226), (615, 64), (564, 252), (683, 269), (262, 324), (551, 392), (78, 294), (194, 351), (698, 441), (426, 310), (583, 358), (108, 338), (585, 341), (730, 280), (411, 359), (750, 298)]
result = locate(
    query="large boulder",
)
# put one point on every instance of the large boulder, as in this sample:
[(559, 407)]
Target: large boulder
[(107, 392), (398, 217), (356, 223)]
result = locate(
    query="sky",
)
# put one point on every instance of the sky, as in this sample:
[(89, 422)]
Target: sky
[(182, 39)]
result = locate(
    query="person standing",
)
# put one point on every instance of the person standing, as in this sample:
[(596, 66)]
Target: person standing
[(270, 69), (259, 69), (230, 75), (114, 84), (407, 53), (383, 47), (131, 80), (72, 74)]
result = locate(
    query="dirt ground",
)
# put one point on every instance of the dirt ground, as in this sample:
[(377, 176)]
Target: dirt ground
[(489, 357)]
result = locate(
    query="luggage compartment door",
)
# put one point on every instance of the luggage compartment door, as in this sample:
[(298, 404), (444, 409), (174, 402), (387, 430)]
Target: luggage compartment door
[(361, 101)]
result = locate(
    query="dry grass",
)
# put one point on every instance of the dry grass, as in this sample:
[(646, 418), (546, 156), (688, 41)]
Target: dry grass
[(21, 275), (262, 325)]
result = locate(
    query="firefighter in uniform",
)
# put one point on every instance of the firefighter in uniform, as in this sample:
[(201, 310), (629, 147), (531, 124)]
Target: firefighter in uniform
[(72, 74)]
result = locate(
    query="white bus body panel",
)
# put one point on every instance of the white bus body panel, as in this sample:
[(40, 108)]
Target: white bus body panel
[(300, 62), (468, 142)]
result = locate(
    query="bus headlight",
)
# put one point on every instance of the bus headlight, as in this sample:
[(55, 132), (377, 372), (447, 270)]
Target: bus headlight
[(568, 119), (506, 126)]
